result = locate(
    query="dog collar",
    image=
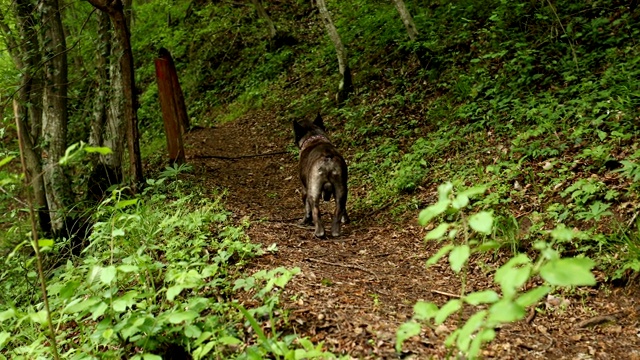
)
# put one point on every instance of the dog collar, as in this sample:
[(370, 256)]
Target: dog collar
[(312, 139)]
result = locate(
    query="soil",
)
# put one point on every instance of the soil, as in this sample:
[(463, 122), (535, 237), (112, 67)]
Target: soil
[(354, 291)]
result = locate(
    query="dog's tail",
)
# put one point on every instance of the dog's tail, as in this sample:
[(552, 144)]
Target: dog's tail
[(327, 191)]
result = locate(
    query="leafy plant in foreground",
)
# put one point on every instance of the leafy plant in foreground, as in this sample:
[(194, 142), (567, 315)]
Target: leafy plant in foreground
[(492, 309), (267, 285)]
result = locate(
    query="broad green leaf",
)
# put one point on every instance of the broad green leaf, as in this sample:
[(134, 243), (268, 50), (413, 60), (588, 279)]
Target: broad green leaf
[(481, 222), (532, 296), (512, 278), (438, 232), (45, 243), (117, 232), (102, 150), (201, 351), (99, 310), (229, 340), (482, 297), (124, 203), (173, 291), (108, 274), (39, 317), (442, 252), (466, 333), (192, 331), (424, 310), (180, 316), (6, 160), (476, 190), (569, 272), (406, 331), (125, 301), (4, 336), (505, 311), (108, 333), (488, 245), (69, 289), (563, 234), (80, 305), (287, 275), (444, 190), (432, 211), (459, 256), (447, 309), (460, 201), (7, 314)]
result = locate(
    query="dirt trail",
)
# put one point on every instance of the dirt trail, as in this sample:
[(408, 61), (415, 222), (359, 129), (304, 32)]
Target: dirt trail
[(354, 291)]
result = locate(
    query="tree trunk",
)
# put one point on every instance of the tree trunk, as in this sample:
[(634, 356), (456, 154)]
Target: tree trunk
[(273, 33), (346, 84), (54, 119), (27, 104), (100, 109), (406, 19), (115, 9)]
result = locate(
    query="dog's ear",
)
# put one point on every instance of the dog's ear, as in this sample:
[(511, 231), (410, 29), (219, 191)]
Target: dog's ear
[(319, 122), (298, 131)]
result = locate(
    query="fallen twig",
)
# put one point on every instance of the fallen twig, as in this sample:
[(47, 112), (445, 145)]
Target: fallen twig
[(343, 265), (532, 314), (288, 221), (239, 157), (445, 293), (597, 320)]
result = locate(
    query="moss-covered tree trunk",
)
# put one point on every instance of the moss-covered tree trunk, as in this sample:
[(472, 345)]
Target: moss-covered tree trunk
[(101, 99), (124, 89), (346, 84), (24, 49), (54, 116)]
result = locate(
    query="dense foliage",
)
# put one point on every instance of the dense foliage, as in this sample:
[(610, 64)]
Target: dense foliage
[(540, 100)]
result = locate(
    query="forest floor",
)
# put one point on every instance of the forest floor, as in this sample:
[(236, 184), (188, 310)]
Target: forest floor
[(354, 291)]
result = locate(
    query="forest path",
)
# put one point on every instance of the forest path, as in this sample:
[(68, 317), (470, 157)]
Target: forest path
[(354, 291)]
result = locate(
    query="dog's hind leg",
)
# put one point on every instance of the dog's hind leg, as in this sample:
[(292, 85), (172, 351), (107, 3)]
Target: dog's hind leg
[(314, 191), (341, 210), (314, 202), (306, 220)]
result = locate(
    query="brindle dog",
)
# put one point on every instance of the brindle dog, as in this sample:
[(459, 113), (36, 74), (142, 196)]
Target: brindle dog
[(323, 172)]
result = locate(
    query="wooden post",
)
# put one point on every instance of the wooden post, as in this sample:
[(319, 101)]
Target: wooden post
[(174, 111)]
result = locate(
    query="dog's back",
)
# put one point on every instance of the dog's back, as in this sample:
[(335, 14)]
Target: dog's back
[(323, 173)]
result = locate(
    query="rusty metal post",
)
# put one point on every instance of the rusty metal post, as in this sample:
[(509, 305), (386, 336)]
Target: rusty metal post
[(172, 105)]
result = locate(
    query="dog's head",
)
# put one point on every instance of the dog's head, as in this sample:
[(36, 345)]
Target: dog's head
[(306, 130)]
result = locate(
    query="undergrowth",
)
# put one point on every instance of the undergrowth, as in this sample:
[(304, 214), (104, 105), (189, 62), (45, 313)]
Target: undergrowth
[(159, 275)]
